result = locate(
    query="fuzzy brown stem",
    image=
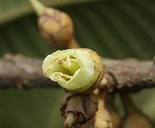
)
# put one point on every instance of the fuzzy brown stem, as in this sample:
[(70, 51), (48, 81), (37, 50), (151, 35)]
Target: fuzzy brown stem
[(130, 73), (22, 72), (25, 72)]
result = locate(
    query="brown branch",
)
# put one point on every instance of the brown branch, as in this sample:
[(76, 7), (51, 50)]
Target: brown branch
[(130, 73), (25, 72), (22, 72)]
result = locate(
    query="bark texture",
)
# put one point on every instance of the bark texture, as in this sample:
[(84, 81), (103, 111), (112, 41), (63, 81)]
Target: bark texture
[(130, 73)]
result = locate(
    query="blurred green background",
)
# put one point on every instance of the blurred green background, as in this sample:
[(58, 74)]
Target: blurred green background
[(114, 28)]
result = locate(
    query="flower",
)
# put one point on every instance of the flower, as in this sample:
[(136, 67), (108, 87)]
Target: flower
[(74, 69)]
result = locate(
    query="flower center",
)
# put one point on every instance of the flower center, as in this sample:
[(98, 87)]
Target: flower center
[(64, 67)]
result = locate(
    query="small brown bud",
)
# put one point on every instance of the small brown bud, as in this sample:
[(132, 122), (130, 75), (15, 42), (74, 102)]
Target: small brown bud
[(78, 109), (55, 26), (134, 117)]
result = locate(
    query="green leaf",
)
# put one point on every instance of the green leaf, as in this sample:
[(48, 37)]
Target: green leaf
[(10, 10), (115, 29)]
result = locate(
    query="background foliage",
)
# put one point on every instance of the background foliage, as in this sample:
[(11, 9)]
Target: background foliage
[(114, 28)]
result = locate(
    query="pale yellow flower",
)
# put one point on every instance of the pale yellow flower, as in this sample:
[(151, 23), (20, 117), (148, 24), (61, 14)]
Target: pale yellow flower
[(73, 69)]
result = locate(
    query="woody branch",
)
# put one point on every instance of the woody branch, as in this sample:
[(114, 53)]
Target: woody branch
[(22, 72)]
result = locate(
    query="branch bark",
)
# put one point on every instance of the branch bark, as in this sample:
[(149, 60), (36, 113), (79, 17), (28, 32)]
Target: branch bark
[(22, 72), (25, 72), (130, 73)]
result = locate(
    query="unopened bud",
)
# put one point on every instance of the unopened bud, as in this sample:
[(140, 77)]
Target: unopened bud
[(134, 117), (55, 26), (78, 109)]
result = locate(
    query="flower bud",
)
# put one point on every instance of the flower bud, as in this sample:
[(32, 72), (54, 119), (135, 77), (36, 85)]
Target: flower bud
[(78, 109), (134, 117), (77, 70), (55, 26)]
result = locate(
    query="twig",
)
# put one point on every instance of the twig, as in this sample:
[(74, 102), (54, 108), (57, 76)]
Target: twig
[(130, 73), (25, 72), (22, 72)]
